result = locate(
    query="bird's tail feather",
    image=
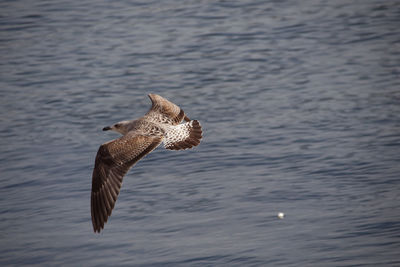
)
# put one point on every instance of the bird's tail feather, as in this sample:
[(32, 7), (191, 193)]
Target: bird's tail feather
[(183, 136)]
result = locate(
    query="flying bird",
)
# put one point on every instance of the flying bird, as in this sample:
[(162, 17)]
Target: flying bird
[(162, 123)]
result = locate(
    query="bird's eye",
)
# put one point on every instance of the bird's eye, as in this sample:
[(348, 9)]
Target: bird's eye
[(117, 125)]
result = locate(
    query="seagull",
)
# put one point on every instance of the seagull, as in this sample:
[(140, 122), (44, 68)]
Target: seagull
[(162, 123)]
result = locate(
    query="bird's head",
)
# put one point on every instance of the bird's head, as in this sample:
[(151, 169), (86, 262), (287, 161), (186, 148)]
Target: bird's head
[(121, 127)]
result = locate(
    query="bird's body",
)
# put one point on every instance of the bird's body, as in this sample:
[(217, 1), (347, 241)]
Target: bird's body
[(162, 123)]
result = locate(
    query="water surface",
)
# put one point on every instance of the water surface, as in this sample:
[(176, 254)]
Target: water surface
[(299, 102)]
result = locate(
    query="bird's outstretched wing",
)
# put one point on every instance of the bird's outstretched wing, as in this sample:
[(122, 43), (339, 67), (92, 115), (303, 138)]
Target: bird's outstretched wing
[(113, 160), (165, 111)]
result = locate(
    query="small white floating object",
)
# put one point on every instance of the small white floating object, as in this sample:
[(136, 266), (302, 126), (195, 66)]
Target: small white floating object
[(281, 215)]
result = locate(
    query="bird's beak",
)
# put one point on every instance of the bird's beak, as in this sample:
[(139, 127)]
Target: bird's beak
[(106, 128)]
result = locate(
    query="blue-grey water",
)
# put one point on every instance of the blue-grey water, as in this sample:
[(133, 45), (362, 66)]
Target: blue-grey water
[(300, 106)]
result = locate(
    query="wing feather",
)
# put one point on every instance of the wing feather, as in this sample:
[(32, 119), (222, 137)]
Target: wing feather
[(113, 161), (165, 111)]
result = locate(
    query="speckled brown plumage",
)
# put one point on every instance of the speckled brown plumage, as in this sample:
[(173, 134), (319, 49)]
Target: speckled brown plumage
[(162, 123)]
